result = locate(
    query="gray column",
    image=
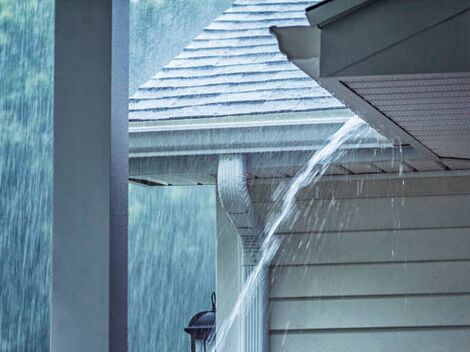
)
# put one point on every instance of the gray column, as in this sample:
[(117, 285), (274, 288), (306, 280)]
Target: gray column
[(89, 256)]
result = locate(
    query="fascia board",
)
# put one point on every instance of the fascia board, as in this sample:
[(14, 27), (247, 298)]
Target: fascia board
[(380, 26), (298, 42), (426, 53), (279, 163), (331, 10)]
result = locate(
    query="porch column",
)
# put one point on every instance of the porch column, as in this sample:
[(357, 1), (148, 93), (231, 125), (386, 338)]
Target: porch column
[(89, 256)]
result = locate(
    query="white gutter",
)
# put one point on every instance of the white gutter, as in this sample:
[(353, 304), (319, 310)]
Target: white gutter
[(280, 135)]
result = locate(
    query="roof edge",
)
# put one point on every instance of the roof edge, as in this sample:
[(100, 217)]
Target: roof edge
[(239, 120), (215, 139), (331, 10)]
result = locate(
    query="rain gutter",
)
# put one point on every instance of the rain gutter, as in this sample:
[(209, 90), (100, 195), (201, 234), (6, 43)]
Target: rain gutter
[(300, 132)]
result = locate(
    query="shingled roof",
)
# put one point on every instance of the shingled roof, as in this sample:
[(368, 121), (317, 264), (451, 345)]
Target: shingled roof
[(242, 96), (234, 68)]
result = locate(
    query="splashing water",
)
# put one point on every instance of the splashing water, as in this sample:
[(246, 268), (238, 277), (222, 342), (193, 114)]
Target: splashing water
[(310, 174)]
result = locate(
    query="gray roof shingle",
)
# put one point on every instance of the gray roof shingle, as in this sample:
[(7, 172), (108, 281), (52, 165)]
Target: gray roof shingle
[(234, 68)]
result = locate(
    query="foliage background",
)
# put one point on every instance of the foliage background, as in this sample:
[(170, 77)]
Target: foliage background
[(171, 231)]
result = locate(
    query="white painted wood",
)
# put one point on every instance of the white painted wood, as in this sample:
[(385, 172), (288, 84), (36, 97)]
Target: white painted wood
[(371, 312), (262, 164), (414, 340), (228, 276), (370, 279), (370, 263), (375, 246), (376, 214), (255, 316), (354, 188)]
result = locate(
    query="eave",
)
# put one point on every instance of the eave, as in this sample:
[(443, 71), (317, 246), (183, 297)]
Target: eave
[(187, 152), (368, 54), (189, 115), (264, 134)]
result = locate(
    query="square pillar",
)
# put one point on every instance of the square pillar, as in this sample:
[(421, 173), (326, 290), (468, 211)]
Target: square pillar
[(89, 255)]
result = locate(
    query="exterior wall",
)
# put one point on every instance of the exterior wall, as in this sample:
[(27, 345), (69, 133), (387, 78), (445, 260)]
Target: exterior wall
[(378, 265)]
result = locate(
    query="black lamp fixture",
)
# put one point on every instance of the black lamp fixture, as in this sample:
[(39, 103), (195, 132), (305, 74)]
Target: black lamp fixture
[(201, 329)]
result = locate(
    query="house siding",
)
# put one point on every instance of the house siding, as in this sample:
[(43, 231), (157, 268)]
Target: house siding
[(378, 265)]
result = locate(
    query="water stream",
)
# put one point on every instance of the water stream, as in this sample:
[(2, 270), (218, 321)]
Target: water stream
[(309, 175)]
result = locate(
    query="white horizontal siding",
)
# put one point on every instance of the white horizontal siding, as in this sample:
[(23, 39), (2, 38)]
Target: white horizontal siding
[(371, 279), (382, 268), (376, 214), (261, 190), (383, 312), (382, 246), (406, 340)]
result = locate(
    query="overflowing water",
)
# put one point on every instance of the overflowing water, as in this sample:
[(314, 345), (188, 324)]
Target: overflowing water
[(310, 174)]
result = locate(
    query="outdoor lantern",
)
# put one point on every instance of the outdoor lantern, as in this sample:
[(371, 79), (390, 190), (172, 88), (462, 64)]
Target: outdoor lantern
[(201, 329)]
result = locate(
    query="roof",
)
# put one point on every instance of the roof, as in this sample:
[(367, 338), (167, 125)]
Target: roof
[(231, 91), (410, 81), (234, 68)]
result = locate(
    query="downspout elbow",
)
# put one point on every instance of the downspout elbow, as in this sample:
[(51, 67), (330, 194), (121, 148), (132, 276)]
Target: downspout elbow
[(232, 188)]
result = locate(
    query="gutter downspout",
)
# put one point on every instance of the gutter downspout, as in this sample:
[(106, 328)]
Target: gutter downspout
[(233, 193)]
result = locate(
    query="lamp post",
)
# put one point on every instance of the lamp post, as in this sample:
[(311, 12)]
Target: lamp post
[(201, 329)]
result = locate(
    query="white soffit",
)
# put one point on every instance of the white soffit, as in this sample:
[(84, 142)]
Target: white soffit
[(407, 71), (433, 109)]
